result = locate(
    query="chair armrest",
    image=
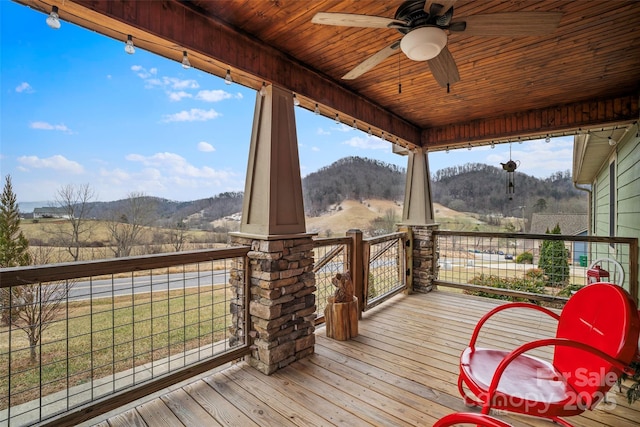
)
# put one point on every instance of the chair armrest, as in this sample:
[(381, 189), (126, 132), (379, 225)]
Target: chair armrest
[(483, 319), (543, 343), (470, 417)]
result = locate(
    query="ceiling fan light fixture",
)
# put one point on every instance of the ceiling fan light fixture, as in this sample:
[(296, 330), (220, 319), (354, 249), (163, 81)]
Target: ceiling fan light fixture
[(423, 43)]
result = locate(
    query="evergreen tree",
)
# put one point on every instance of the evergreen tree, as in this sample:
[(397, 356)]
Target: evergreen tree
[(554, 260), (14, 247)]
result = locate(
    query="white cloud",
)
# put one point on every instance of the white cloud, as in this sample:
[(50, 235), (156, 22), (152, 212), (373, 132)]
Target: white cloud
[(177, 96), (109, 76), (213, 95), (179, 84), (342, 128), (193, 115), (49, 126), (177, 166), (205, 147), (239, 96), (321, 131), (56, 162), (24, 87), (315, 149), (367, 143)]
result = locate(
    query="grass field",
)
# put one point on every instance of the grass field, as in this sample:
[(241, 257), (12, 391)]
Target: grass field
[(92, 340)]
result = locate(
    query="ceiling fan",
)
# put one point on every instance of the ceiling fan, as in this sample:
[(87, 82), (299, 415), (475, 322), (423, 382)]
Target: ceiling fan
[(424, 25)]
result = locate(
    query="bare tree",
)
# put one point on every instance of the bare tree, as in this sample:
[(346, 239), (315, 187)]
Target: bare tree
[(178, 236), (35, 306), (127, 224), (75, 201)]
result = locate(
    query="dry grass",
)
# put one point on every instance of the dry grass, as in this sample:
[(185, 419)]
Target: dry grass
[(92, 340)]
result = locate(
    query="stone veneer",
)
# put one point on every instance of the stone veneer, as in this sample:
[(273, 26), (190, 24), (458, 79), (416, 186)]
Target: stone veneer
[(283, 304), (424, 257)]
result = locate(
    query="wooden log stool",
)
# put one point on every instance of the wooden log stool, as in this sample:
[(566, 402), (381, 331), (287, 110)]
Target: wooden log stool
[(341, 312)]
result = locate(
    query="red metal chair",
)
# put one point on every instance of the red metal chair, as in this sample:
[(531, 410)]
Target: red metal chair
[(596, 339), (470, 418)]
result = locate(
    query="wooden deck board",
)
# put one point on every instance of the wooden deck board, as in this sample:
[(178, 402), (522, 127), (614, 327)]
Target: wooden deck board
[(401, 369)]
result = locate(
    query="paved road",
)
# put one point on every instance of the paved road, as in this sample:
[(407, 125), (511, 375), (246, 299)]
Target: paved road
[(141, 284)]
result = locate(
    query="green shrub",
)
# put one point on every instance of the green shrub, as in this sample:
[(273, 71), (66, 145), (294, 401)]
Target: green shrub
[(532, 282), (525, 258)]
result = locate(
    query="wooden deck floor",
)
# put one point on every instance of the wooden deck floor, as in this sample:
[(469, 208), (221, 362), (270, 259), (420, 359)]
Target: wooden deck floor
[(400, 371)]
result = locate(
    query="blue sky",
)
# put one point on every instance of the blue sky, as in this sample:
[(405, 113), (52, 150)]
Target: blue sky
[(76, 109)]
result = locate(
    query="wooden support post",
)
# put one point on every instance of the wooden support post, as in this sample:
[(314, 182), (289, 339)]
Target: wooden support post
[(357, 270), (408, 252)]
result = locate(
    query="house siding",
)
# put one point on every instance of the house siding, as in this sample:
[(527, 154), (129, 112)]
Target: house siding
[(627, 194)]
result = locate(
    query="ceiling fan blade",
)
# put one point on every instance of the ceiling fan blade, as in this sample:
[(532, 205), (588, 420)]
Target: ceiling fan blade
[(355, 20), (444, 6), (512, 24), (372, 61), (444, 68)]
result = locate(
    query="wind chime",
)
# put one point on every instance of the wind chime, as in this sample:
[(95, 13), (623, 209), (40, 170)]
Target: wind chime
[(510, 167)]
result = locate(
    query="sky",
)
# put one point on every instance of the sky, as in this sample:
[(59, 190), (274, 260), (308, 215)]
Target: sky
[(76, 109)]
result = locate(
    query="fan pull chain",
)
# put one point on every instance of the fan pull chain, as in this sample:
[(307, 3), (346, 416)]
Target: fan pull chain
[(399, 81)]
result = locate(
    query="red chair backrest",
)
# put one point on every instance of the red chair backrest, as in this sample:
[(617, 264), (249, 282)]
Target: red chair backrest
[(604, 316)]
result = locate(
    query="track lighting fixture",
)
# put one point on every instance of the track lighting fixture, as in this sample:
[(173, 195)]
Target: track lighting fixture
[(185, 60), (228, 79), (296, 101), (128, 47), (263, 89), (53, 20)]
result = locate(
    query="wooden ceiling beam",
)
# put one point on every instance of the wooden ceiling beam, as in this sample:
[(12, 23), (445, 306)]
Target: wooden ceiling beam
[(606, 112), (184, 27)]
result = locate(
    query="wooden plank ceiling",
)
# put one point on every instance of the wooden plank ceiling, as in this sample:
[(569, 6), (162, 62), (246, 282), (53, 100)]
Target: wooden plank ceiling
[(585, 74)]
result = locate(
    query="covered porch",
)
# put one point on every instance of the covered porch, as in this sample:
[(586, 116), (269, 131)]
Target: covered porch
[(291, 373), (400, 370)]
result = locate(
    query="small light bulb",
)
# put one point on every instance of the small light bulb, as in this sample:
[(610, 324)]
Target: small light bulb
[(227, 79), (612, 141), (296, 101), (263, 89), (547, 139), (382, 136), (185, 60), (128, 47), (447, 150), (317, 110), (53, 20), (337, 118), (355, 124), (370, 132), (469, 147), (519, 140), (493, 145)]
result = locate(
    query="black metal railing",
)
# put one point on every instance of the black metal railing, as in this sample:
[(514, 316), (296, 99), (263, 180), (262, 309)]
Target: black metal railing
[(332, 256), (82, 338), (384, 267), (540, 267)]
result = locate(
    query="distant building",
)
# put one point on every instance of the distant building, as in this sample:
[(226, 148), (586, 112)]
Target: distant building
[(50, 213), (570, 225)]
